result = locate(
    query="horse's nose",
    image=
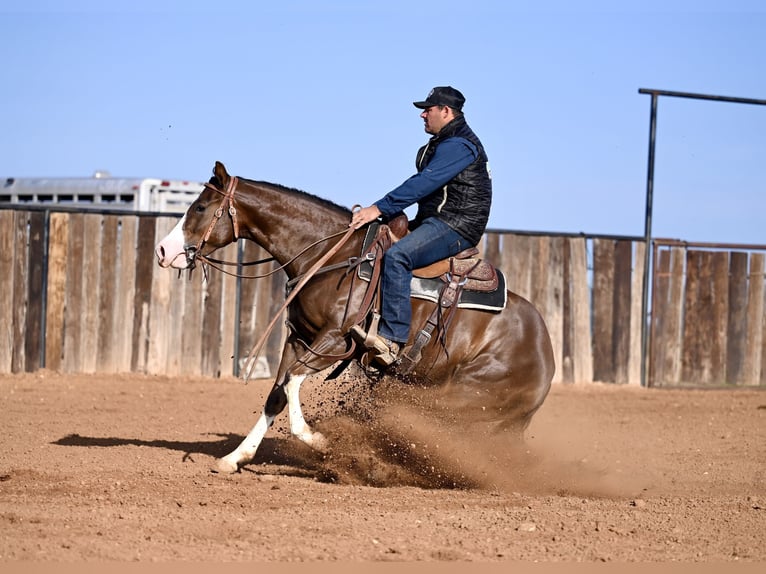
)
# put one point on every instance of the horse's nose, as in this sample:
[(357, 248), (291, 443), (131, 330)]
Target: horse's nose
[(160, 252)]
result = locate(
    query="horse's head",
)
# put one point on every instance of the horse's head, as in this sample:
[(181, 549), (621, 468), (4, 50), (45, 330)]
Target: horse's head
[(209, 224)]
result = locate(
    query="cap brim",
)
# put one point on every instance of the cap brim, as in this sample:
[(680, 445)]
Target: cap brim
[(423, 105)]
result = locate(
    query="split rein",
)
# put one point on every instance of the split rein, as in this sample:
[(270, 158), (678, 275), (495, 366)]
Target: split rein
[(218, 264)]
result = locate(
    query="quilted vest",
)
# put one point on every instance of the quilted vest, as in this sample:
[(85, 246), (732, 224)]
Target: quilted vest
[(464, 202)]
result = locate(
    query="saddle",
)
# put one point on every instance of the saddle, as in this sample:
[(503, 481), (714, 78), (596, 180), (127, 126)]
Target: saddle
[(453, 276), (475, 273)]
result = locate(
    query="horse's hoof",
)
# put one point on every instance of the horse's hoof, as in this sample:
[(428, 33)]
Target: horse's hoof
[(319, 443), (223, 466), (315, 440)]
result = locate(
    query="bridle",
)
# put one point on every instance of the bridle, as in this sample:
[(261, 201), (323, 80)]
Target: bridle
[(192, 252)]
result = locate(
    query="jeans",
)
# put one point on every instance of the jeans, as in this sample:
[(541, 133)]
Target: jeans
[(432, 241)]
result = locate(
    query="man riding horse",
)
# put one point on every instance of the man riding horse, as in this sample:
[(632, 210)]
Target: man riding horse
[(494, 366), (453, 190)]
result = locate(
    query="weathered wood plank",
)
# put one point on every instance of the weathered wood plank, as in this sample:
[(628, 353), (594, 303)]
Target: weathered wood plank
[(183, 292), (621, 324), (720, 305), (540, 276), (566, 366), (736, 335), (603, 310), (264, 304), (74, 300), (125, 293), (581, 312), (705, 319), (215, 329), (491, 248), (692, 327), (674, 317), (211, 325), (108, 341), (7, 281), (91, 288), (636, 317), (518, 258), (160, 334), (250, 304), (57, 285), (751, 373), (33, 345), (763, 349), (21, 278), (667, 302), (192, 331), (276, 340), (659, 327), (143, 293), (229, 324), (553, 282)]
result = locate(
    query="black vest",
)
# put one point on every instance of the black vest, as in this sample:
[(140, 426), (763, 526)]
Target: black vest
[(464, 202)]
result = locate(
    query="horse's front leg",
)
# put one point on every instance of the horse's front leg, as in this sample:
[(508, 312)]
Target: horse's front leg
[(246, 450), (285, 392)]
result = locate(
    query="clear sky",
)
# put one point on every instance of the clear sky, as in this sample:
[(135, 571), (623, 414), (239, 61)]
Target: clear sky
[(318, 95)]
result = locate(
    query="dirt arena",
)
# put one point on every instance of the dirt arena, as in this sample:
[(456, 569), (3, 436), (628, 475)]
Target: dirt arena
[(116, 468)]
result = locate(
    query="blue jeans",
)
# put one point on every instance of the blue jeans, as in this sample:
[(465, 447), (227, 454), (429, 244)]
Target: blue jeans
[(432, 241)]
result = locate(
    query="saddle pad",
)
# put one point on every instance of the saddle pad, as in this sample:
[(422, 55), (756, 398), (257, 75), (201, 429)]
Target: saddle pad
[(429, 290)]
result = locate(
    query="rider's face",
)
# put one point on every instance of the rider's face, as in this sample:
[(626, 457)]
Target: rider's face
[(435, 118)]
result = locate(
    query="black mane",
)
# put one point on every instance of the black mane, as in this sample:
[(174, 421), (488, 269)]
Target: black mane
[(290, 190)]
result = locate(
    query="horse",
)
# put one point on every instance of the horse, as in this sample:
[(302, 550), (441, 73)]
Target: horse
[(493, 366)]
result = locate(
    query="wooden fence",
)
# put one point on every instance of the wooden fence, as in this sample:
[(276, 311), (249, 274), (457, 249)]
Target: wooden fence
[(708, 316), (81, 292)]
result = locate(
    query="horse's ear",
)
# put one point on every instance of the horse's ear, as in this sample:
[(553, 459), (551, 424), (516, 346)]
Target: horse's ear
[(219, 171)]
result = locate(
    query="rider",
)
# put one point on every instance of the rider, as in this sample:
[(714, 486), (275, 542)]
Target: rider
[(453, 190)]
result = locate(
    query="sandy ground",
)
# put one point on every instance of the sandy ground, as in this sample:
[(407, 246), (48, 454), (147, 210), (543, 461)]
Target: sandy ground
[(116, 468)]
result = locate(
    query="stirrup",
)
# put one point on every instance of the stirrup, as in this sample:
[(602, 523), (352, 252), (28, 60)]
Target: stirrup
[(386, 354)]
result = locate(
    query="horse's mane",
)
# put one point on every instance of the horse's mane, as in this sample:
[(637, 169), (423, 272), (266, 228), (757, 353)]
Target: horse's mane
[(290, 190)]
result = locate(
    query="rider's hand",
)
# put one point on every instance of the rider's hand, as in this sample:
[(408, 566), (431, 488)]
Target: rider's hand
[(364, 215)]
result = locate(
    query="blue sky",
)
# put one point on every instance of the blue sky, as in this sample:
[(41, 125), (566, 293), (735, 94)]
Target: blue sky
[(318, 96)]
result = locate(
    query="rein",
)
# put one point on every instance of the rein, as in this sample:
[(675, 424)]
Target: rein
[(218, 263), (305, 279)]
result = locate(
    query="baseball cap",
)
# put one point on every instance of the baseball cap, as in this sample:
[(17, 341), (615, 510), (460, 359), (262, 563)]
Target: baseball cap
[(442, 96)]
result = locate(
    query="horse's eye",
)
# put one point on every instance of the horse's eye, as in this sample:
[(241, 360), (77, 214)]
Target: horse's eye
[(200, 208)]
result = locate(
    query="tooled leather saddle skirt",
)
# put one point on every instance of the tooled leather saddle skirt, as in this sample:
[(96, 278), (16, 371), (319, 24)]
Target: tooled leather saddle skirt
[(483, 284)]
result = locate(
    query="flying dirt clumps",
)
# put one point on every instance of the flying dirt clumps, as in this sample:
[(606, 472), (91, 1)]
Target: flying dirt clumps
[(386, 433)]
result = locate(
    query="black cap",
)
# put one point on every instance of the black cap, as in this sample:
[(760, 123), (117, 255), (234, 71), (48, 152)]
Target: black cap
[(442, 96)]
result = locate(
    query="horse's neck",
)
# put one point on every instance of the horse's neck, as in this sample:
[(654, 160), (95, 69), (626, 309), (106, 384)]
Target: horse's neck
[(287, 224)]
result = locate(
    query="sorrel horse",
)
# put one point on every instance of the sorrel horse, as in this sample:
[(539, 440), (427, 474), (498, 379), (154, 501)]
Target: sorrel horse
[(492, 366)]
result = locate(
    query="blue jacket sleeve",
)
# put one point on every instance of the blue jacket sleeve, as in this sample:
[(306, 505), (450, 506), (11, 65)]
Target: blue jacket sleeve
[(451, 157)]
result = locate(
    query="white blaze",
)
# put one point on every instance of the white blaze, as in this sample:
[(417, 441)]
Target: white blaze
[(170, 251)]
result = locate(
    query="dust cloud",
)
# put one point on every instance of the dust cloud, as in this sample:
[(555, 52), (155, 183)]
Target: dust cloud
[(388, 434)]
